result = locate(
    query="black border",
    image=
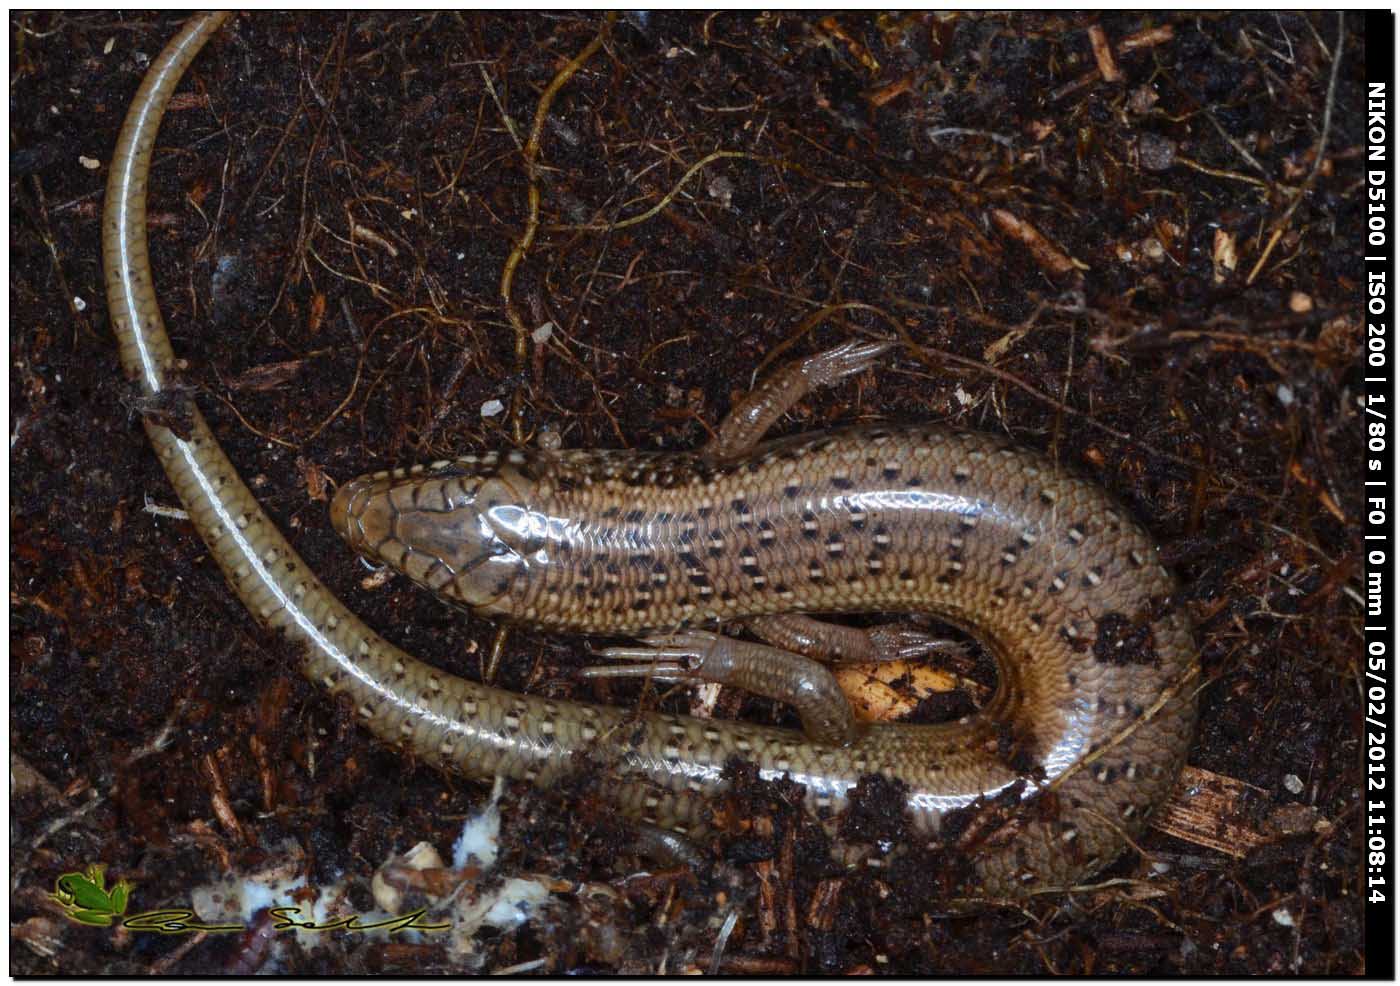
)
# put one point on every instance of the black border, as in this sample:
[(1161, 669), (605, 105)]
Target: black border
[(1377, 879)]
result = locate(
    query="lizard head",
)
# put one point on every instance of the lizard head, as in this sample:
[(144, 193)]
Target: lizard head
[(461, 528)]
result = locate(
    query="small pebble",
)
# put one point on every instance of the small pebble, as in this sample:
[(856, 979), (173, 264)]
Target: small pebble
[(492, 408), (1293, 783), (1156, 153), (722, 190), (1142, 99), (549, 439)]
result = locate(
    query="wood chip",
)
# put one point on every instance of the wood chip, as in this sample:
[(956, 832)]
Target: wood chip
[(858, 51), (1049, 257), (1224, 255), (1103, 54), (315, 478), (1146, 38), (219, 798), (268, 376), (1210, 810), (884, 94), (890, 689), (317, 314)]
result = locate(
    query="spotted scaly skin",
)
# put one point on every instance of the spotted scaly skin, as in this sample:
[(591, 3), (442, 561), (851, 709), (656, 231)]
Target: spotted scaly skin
[(1065, 589), (1090, 724)]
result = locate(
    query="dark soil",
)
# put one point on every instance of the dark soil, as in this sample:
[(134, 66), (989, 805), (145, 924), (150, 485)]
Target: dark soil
[(334, 200)]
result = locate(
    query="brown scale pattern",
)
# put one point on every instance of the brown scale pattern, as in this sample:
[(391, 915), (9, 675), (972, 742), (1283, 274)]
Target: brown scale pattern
[(990, 537), (1043, 565)]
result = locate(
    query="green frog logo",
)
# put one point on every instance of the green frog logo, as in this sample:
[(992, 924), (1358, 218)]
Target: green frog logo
[(86, 899)]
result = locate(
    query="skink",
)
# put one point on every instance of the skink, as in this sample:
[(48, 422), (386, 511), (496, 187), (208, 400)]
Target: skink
[(1093, 715)]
